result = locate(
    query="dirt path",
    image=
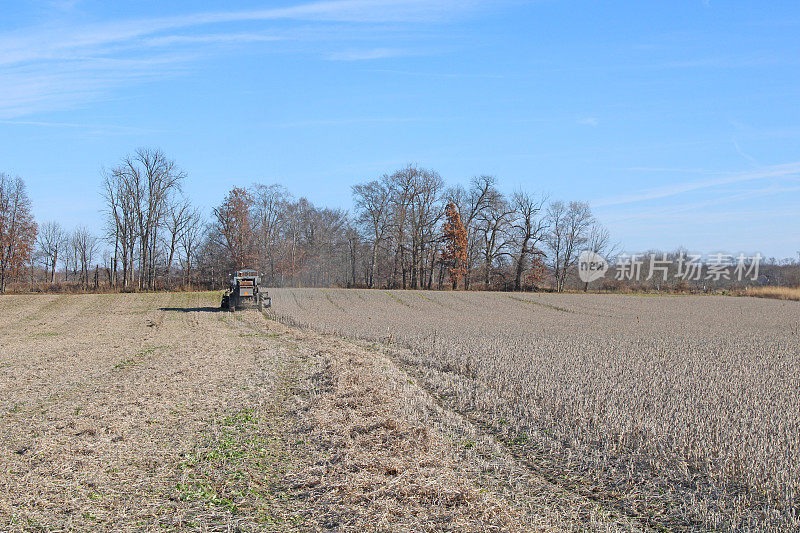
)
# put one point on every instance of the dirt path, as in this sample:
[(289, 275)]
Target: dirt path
[(155, 411)]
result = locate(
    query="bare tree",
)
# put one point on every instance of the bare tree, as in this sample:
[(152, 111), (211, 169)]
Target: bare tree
[(372, 204), (424, 214), (292, 253), (270, 206), (108, 266), (556, 236), (353, 247), (121, 227), (84, 246), (598, 241), (149, 182), (528, 230), (493, 226), (69, 259), (402, 188), (177, 221), (568, 231), (323, 237), (52, 241), (190, 241)]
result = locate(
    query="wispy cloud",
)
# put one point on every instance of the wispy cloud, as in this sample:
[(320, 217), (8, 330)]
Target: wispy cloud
[(63, 5), (33, 88), (437, 74), (724, 62), (52, 43), (775, 171), (671, 170), (374, 53), (216, 38), (748, 157), (346, 121), (54, 66), (589, 121), (96, 128), (677, 212)]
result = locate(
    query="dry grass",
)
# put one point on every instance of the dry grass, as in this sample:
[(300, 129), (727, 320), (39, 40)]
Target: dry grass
[(117, 413), (780, 293), (682, 412), (373, 469), (157, 412)]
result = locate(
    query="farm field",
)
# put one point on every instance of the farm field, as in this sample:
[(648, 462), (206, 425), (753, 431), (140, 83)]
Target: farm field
[(160, 412), (681, 412)]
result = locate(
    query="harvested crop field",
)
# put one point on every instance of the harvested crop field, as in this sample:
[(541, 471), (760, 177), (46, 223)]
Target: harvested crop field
[(356, 410), (159, 412), (680, 412)]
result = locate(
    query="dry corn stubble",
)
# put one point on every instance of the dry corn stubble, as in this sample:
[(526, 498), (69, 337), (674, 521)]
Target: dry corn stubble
[(680, 410)]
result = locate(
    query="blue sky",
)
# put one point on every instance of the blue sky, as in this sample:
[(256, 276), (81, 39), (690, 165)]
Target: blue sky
[(678, 121)]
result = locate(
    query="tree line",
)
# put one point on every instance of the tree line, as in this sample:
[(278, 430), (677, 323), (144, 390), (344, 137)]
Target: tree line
[(400, 236), (407, 230)]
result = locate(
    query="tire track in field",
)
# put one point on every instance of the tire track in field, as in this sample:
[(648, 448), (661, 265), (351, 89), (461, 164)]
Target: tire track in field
[(18, 310), (586, 506), (621, 517)]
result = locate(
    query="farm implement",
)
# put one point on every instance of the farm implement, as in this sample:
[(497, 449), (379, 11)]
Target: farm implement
[(245, 291)]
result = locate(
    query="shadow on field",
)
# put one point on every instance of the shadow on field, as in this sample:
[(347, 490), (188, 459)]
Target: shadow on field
[(191, 309)]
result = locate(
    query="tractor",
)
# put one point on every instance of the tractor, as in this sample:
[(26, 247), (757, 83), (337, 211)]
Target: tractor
[(245, 291)]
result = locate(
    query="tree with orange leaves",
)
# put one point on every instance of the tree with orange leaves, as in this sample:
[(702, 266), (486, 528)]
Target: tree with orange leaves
[(536, 273), (455, 237), (235, 223), (17, 228)]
